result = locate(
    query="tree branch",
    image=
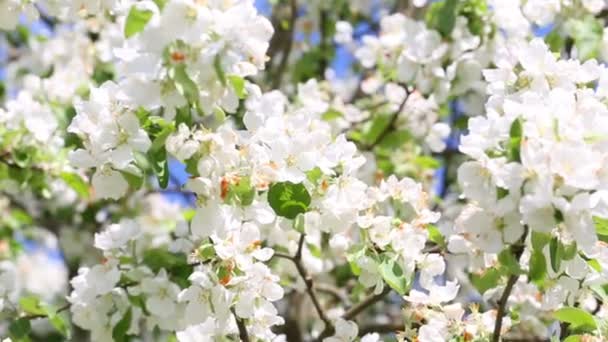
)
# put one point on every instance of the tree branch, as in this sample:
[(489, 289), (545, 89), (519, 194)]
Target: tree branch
[(288, 45), (357, 309), (517, 250), (391, 124), (310, 288), (243, 334), (365, 303)]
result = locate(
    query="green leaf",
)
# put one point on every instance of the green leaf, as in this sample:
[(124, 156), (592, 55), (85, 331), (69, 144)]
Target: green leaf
[(219, 71), (135, 181), (393, 275), (555, 253), (331, 114), (288, 199), (540, 240), (515, 136), (19, 329), (509, 261), (160, 165), (160, 3), (538, 266), (486, 280), (555, 41), (574, 338), (161, 138), (57, 321), (577, 318), (314, 250), (238, 84), (119, 333), (442, 16), (427, 162), (299, 223), (314, 175), (378, 125), (136, 21), (76, 182), (587, 33), (569, 251), (601, 225), (183, 83), (436, 236), (240, 192), (31, 305), (353, 254)]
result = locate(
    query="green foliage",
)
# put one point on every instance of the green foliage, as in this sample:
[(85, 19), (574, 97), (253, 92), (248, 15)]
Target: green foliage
[(77, 184), (238, 84), (579, 320), (515, 138), (509, 261), (183, 83), (393, 275), (136, 21), (241, 192), (288, 199), (442, 16), (436, 236), (19, 329), (587, 33), (119, 333), (538, 267), (486, 280)]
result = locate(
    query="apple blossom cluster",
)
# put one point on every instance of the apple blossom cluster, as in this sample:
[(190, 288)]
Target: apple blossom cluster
[(202, 59), (536, 182), (10, 10), (408, 51), (189, 170), (253, 187)]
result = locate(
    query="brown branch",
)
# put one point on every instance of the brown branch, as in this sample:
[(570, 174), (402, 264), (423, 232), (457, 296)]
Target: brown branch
[(381, 328), (243, 334), (357, 309), (310, 288), (518, 250), (391, 124), (365, 303), (288, 45)]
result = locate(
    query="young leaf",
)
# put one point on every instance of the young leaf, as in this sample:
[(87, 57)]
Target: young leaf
[(76, 182), (119, 333), (538, 266), (238, 84), (19, 329), (508, 260), (393, 275), (577, 318), (555, 253), (136, 21), (288, 199), (31, 305), (240, 192)]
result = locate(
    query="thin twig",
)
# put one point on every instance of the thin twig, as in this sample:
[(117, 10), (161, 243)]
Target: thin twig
[(518, 250), (381, 328), (61, 309), (357, 309), (243, 335), (310, 288), (365, 303), (391, 124)]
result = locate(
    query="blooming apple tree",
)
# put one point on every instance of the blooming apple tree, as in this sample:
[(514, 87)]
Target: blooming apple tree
[(287, 170)]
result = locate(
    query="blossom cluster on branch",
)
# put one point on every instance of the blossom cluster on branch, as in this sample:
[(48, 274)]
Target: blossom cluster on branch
[(239, 170)]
